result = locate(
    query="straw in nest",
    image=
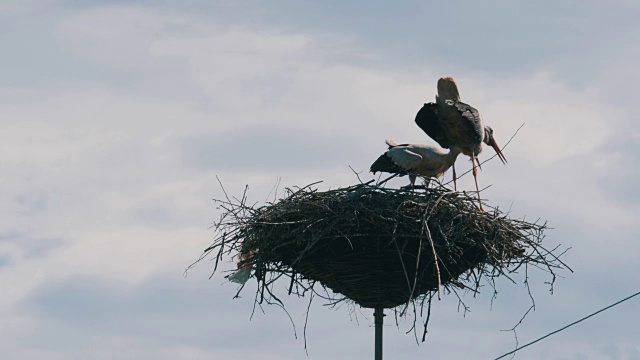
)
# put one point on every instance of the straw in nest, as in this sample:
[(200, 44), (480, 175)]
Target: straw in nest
[(377, 246)]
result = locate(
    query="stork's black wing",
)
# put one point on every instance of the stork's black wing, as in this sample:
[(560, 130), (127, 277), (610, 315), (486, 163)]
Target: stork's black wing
[(385, 164), (473, 126), (427, 120)]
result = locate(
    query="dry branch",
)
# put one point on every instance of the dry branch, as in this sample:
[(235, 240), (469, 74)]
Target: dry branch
[(369, 245)]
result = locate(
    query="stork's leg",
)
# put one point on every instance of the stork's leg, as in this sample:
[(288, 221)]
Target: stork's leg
[(475, 178), (478, 162), (412, 178), (455, 186)]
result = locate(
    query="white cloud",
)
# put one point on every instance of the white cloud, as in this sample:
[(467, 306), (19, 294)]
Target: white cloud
[(560, 122), (95, 172)]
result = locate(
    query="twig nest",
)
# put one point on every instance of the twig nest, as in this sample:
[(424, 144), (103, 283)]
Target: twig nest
[(377, 246)]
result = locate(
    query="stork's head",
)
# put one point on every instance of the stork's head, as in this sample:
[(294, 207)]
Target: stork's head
[(491, 141), (447, 89)]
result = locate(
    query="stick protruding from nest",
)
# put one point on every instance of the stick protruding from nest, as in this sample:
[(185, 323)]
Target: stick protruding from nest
[(369, 245)]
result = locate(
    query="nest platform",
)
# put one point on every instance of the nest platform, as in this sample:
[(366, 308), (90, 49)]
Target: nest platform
[(376, 246)]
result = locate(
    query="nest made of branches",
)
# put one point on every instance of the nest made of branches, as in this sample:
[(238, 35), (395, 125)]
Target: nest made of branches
[(377, 246)]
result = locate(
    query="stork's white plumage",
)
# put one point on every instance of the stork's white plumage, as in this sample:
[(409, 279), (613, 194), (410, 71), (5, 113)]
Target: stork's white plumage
[(415, 160)]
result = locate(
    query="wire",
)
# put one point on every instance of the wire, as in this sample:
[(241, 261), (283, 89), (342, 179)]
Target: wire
[(573, 323)]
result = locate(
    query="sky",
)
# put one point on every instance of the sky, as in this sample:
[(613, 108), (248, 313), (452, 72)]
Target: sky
[(116, 117)]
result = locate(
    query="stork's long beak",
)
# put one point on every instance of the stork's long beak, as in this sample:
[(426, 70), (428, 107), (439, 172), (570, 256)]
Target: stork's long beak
[(494, 145)]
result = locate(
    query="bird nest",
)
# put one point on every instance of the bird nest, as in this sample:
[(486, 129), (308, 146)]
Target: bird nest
[(376, 246)]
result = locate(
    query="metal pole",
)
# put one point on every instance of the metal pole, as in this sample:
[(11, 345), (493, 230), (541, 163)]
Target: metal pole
[(378, 315)]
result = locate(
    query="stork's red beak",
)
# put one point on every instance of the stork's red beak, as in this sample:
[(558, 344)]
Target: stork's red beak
[(494, 145)]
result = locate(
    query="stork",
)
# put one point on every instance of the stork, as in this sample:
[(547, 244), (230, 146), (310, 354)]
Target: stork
[(415, 159), (452, 123)]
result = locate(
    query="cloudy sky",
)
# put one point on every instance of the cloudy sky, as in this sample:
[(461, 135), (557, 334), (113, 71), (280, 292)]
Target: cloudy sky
[(117, 116)]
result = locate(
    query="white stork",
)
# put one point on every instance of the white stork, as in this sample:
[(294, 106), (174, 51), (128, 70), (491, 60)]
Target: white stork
[(415, 159), (452, 123)]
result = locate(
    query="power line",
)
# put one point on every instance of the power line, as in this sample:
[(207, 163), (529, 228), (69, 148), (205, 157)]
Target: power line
[(573, 323)]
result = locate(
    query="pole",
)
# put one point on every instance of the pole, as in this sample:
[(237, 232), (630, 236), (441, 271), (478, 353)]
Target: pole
[(378, 315)]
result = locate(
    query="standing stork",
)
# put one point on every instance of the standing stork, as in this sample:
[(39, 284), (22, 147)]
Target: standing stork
[(415, 159), (452, 123)]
